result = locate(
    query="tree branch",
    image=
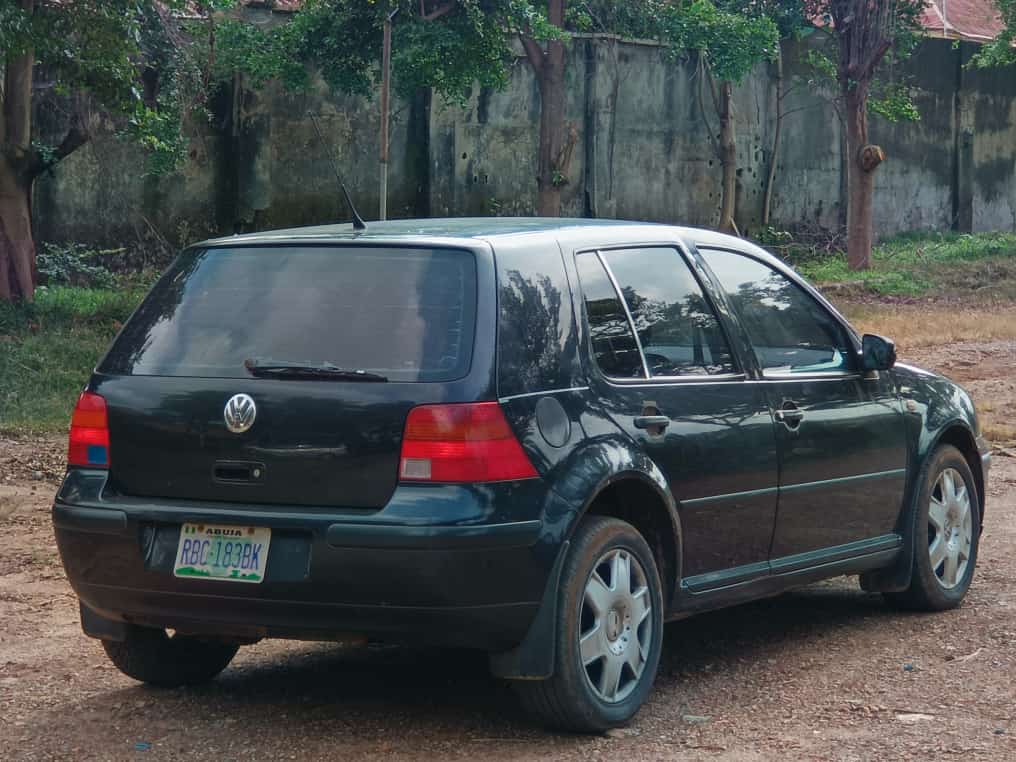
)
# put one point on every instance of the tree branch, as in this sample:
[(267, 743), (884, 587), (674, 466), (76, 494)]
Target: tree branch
[(533, 52), (867, 70), (438, 12), (76, 137)]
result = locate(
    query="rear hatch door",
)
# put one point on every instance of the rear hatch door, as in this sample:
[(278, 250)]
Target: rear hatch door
[(327, 346)]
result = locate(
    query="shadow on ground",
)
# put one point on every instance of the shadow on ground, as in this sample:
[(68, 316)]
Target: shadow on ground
[(399, 692)]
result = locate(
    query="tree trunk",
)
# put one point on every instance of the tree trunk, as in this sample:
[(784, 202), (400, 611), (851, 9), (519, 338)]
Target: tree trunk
[(728, 157), (17, 170), (860, 179), (774, 155), (17, 248), (548, 66), (549, 177)]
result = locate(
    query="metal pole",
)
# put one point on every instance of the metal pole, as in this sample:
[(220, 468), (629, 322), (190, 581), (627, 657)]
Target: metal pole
[(386, 78)]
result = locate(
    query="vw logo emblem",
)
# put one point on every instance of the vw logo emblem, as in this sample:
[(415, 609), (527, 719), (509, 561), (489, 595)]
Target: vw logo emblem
[(240, 413)]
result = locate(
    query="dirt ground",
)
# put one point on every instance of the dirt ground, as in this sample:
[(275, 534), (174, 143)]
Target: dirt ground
[(828, 672)]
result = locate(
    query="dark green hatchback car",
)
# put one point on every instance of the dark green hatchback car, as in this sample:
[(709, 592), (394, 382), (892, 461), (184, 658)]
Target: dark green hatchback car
[(538, 438)]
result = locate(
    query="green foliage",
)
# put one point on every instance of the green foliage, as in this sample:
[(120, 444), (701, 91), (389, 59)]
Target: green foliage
[(103, 48), (888, 96), (733, 42), (888, 99), (48, 349), (342, 40), (73, 265), (892, 102), (913, 264), (1001, 50)]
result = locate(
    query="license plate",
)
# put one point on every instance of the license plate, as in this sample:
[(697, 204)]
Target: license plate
[(229, 553)]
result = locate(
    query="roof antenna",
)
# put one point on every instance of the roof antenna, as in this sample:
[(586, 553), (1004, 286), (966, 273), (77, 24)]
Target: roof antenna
[(358, 224)]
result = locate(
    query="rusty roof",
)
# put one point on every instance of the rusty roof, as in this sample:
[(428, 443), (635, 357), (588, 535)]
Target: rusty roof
[(974, 20)]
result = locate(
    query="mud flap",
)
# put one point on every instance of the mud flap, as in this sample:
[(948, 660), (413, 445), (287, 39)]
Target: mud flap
[(533, 659), (96, 626)]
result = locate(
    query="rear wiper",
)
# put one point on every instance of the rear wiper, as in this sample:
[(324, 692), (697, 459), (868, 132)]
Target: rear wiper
[(258, 367)]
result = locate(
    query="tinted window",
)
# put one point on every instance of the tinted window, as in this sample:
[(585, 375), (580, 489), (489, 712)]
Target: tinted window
[(408, 314), (679, 332), (613, 342), (790, 331)]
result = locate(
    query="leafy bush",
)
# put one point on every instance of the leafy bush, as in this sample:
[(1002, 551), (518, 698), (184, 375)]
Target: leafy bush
[(74, 264)]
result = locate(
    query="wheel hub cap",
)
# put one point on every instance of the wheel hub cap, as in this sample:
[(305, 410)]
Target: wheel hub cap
[(616, 625), (950, 528)]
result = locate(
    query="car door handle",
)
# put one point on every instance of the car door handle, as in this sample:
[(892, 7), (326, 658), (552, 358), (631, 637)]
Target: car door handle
[(652, 422), (790, 415)]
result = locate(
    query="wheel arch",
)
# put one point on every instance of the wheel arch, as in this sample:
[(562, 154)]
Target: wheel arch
[(608, 478), (644, 501), (960, 436)]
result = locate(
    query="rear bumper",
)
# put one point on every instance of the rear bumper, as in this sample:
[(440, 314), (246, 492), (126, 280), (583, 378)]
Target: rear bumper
[(477, 583)]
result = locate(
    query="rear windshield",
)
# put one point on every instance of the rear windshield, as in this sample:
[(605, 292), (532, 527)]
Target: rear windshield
[(408, 314)]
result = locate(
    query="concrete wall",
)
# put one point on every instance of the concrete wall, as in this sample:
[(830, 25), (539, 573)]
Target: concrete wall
[(642, 152)]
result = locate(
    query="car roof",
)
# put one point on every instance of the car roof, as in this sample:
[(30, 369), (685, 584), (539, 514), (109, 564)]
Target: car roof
[(443, 231), (449, 227)]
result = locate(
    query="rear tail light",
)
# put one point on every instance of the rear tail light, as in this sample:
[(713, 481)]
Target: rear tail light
[(461, 443), (89, 439)]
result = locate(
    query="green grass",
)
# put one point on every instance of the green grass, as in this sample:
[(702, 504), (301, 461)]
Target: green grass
[(48, 350), (926, 264)]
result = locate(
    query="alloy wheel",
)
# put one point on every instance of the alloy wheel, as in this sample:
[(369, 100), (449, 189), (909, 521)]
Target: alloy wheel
[(616, 625), (950, 528)]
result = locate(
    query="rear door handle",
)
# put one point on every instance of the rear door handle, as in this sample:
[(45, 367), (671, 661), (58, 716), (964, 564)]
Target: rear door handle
[(652, 422), (790, 415)]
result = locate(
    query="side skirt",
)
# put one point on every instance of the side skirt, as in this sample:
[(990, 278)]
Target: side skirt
[(745, 583)]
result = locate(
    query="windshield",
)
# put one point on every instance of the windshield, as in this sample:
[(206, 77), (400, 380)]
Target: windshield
[(406, 314)]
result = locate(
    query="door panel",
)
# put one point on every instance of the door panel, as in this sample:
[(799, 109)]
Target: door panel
[(712, 439), (718, 453), (840, 433), (842, 466)]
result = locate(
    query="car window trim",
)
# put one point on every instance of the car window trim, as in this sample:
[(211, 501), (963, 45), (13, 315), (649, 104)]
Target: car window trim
[(812, 375), (627, 311), (852, 336), (719, 378), (682, 251)]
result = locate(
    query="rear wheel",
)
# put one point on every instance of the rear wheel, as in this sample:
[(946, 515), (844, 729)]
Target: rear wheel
[(946, 532), (609, 632), (154, 657)]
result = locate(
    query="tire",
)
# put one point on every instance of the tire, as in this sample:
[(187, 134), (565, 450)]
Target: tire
[(155, 658), (581, 697), (946, 524)]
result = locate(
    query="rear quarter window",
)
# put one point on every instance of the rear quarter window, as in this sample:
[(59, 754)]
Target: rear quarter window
[(405, 313)]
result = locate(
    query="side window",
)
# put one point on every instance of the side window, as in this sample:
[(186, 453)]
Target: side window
[(790, 331), (614, 345), (676, 326)]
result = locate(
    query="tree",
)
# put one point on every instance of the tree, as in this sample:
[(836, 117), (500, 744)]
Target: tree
[(447, 45), (865, 32), (547, 60), (1002, 50), (730, 39), (97, 54)]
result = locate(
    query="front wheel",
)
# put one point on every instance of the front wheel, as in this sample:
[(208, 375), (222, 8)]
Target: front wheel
[(609, 631), (154, 657), (945, 535)]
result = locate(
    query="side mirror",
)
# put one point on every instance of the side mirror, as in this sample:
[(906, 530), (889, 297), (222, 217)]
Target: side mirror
[(877, 352)]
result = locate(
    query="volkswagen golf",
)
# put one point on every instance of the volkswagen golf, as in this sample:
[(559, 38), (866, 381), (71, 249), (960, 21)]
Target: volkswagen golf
[(538, 438)]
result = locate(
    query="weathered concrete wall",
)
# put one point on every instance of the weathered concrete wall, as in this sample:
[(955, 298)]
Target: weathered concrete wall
[(642, 151), (989, 124), (259, 164)]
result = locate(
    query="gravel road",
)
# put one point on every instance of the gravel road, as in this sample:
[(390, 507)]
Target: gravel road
[(828, 672)]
